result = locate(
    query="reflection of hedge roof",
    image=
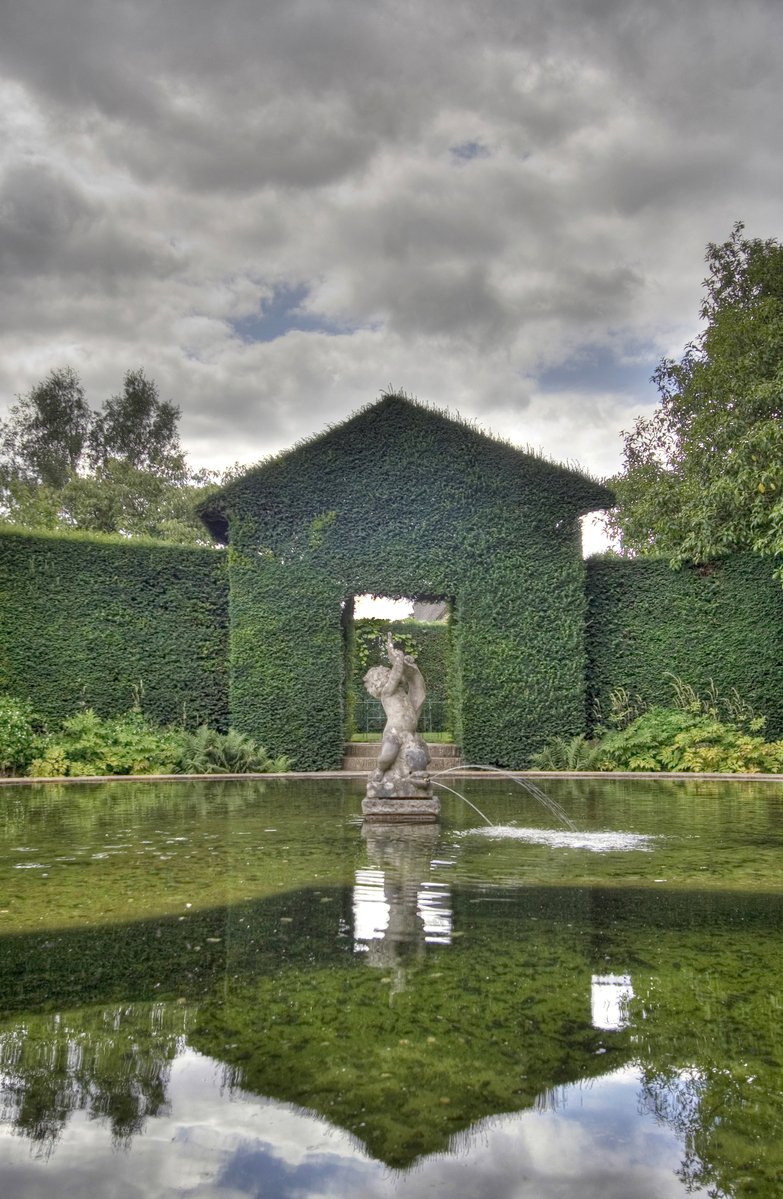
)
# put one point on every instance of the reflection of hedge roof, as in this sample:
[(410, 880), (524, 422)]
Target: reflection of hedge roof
[(391, 435)]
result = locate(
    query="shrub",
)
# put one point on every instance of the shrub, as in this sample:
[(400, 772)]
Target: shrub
[(82, 619), (209, 752), (20, 735), (127, 744), (647, 742), (679, 739)]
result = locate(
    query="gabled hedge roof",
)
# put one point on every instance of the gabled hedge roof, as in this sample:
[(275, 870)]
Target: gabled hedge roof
[(370, 441)]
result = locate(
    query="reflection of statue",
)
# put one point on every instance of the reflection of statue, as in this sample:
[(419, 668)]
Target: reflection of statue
[(401, 771), (410, 907)]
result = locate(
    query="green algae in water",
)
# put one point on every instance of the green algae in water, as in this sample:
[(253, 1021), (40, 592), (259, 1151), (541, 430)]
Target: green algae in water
[(242, 993)]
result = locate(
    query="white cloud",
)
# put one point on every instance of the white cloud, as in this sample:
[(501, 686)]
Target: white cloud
[(591, 1142), (166, 173)]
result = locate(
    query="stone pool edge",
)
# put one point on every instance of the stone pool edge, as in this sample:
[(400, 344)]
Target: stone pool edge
[(685, 775)]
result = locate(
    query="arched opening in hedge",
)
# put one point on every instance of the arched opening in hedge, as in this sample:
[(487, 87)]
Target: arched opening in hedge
[(428, 640)]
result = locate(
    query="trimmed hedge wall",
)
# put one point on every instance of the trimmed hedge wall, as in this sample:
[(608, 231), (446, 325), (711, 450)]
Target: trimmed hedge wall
[(284, 659), (403, 501), (721, 622), (85, 622)]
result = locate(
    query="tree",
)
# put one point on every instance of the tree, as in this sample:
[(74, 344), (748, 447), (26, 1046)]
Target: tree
[(122, 470), (44, 440), (138, 428), (121, 498), (703, 475)]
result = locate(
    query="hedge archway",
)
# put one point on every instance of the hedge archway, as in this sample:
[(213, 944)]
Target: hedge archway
[(403, 500)]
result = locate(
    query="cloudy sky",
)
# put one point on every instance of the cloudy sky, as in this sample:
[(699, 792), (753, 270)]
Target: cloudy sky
[(280, 208)]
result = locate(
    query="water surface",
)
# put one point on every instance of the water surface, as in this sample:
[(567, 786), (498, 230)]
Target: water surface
[(232, 989)]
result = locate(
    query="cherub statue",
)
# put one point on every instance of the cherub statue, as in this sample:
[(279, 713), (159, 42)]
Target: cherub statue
[(402, 761)]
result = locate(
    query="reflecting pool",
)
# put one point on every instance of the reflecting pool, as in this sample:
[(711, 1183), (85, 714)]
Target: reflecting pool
[(234, 989)]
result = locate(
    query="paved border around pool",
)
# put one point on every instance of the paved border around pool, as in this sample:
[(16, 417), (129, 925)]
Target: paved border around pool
[(360, 775)]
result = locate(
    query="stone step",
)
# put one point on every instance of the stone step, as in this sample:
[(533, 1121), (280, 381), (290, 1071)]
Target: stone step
[(360, 749), (363, 755)]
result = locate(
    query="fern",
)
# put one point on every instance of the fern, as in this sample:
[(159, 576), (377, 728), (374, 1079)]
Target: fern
[(563, 753), (208, 752)]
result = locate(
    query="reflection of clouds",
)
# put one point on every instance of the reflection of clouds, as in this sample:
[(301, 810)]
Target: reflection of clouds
[(376, 900), (610, 995), (597, 1144), (434, 908), (370, 908)]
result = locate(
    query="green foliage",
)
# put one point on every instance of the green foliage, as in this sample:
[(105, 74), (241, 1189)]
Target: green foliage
[(687, 735), (138, 428), (20, 735), (121, 498), (622, 710), (64, 466), (700, 732), (718, 627), (731, 707), (566, 753), (89, 745), (681, 739), (421, 505), (287, 686), (82, 620), (45, 437), (206, 751), (703, 476)]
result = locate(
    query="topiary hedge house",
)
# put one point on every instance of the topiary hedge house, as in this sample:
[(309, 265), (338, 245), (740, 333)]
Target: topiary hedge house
[(402, 500)]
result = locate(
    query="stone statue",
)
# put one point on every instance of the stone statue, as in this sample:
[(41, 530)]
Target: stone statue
[(401, 770)]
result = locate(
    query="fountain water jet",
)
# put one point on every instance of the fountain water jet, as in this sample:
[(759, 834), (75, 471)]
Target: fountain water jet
[(459, 795), (551, 804)]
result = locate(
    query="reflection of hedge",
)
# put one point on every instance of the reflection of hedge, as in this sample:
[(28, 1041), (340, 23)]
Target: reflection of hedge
[(88, 622), (430, 645), (403, 501), (275, 991), (722, 622)]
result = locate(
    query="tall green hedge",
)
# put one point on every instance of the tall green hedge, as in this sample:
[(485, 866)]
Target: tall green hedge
[(86, 621), (722, 622), (284, 659), (404, 501)]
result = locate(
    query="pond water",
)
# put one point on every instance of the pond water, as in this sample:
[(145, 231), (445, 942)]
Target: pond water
[(233, 989)]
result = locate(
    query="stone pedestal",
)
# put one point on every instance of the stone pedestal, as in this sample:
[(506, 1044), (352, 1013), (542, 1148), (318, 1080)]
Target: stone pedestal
[(402, 809)]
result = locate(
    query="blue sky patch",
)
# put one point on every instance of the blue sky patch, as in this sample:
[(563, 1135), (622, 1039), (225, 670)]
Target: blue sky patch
[(597, 369), (465, 151), (280, 315)]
